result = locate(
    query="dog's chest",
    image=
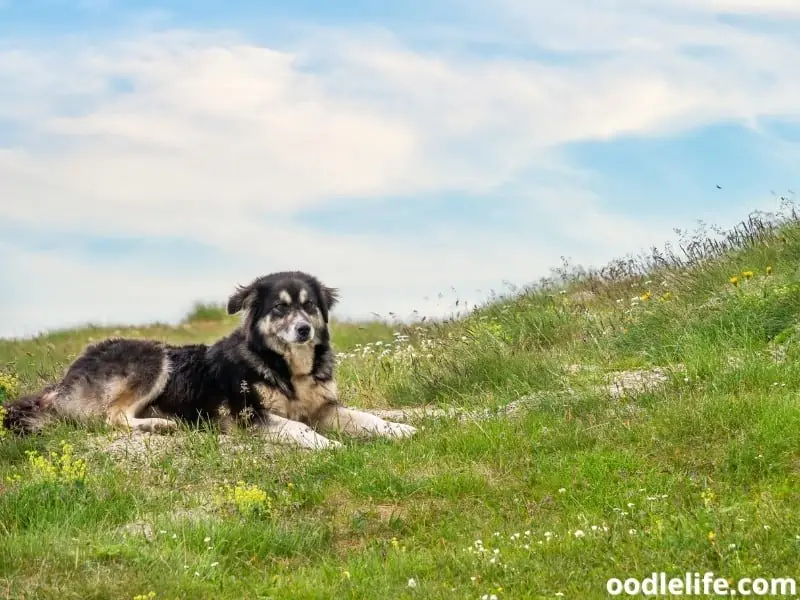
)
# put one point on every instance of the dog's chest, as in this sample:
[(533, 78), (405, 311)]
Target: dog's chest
[(300, 360)]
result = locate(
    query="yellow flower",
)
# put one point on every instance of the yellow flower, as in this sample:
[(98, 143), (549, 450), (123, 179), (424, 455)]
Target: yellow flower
[(666, 296), (248, 499), (646, 296), (734, 280), (769, 270), (747, 274), (63, 468), (712, 536), (9, 385), (147, 596)]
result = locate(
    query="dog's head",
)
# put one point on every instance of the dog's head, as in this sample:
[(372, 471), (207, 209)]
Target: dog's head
[(285, 308)]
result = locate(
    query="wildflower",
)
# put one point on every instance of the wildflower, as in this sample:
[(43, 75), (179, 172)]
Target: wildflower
[(666, 296), (147, 596), (562, 490), (579, 533), (9, 385), (248, 499), (646, 296), (768, 270), (734, 280), (346, 574), (712, 536), (747, 274), (707, 496), (631, 532), (214, 564), (58, 467), (412, 583)]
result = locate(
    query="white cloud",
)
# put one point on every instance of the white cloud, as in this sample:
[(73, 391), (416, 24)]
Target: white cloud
[(214, 138)]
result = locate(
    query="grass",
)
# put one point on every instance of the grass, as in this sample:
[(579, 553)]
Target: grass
[(580, 485)]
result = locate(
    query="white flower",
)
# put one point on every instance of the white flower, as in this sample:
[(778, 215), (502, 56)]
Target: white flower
[(579, 533), (206, 540), (562, 490), (412, 583), (214, 564), (632, 532)]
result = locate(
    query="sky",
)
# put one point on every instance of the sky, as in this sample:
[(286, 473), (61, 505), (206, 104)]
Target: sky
[(409, 154)]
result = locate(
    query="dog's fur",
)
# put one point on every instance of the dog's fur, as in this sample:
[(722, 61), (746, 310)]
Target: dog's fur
[(273, 373)]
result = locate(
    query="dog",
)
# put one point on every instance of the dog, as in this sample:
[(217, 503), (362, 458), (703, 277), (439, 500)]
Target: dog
[(274, 373)]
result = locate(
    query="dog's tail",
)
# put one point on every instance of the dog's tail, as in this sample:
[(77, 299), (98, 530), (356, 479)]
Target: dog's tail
[(29, 414)]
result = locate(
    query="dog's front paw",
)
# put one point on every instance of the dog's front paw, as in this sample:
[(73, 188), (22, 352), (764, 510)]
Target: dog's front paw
[(399, 430)]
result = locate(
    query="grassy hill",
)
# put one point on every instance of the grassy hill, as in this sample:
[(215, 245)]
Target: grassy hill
[(637, 419)]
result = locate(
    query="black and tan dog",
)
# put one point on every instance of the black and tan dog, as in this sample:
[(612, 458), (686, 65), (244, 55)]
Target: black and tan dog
[(274, 373)]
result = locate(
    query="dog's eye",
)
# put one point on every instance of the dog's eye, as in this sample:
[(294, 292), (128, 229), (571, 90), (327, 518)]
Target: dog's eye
[(281, 308), (308, 306)]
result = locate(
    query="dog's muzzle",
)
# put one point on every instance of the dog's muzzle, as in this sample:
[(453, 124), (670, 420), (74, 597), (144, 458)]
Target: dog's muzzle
[(303, 331)]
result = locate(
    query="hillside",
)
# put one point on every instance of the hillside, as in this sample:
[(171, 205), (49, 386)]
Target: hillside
[(638, 419)]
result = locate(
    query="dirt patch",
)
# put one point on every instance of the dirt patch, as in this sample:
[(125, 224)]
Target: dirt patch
[(629, 383), (136, 447)]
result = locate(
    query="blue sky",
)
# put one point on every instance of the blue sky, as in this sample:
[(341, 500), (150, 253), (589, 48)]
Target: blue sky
[(154, 155)]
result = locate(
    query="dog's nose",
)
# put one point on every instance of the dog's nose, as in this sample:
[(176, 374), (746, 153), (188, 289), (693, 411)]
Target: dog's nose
[(304, 331)]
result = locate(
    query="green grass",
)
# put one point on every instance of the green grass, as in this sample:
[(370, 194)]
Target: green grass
[(699, 474)]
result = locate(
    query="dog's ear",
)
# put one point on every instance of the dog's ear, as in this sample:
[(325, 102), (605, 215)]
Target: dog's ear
[(330, 296), (242, 298)]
